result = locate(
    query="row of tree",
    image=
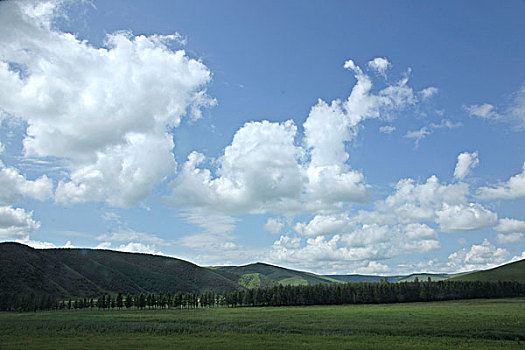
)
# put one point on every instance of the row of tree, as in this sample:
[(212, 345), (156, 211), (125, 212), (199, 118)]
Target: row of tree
[(318, 294)]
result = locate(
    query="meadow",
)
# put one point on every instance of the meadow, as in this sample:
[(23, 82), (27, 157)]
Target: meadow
[(465, 324)]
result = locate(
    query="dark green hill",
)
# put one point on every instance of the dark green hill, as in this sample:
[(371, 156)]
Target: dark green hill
[(90, 272), (510, 272), (271, 275)]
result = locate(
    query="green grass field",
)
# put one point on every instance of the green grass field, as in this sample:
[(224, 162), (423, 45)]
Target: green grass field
[(467, 324)]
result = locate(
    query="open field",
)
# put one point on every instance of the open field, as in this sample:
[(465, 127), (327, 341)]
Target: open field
[(467, 324)]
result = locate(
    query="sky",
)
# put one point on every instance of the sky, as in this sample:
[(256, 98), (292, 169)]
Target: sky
[(371, 137)]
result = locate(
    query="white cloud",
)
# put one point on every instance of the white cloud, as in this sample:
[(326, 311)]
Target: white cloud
[(513, 188), (2, 148), (340, 243), (387, 129), (446, 124), (510, 225), (374, 267), (16, 223), (89, 106), (263, 170), (380, 65), (134, 247), (211, 223), (322, 225), (274, 225), (518, 257), (414, 202), (428, 92), (509, 238), (418, 135), (466, 162), (130, 235), (14, 186), (516, 110), (454, 218), (485, 111), (481, 256), (103, 245), (36, 244), (209, 242), (258, 172)]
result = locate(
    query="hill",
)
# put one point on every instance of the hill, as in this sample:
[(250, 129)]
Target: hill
[(90, 272), (266, 275), (399, 278), (510, 272)]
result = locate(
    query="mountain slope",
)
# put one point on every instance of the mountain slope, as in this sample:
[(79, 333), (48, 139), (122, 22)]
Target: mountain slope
[(279, 275), (90, 272), (510, 272)]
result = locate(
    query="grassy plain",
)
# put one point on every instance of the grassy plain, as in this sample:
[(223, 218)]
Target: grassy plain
[(467, 324)]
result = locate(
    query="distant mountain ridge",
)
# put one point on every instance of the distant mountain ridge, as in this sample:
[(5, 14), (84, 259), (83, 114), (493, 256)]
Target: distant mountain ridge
[(396, 278), (92, 272)]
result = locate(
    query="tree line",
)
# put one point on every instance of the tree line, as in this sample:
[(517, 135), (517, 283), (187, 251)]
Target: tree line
[(317, 294)]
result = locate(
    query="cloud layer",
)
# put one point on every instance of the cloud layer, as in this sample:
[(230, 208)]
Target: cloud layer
[(107, 111)]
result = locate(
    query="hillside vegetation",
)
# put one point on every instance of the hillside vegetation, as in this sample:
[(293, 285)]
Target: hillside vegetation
[(277, 275), (90, 272), (510, 272)]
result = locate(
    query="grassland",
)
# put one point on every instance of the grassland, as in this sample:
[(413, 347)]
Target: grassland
[(470, 324)]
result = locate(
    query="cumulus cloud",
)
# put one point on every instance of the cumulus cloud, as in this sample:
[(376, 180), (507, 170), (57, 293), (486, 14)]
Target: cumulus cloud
[(349, 250), (466, 162), (380, 65), (2, 148), (15, 186), (374, 267), (274, 225), (16, 223), (265, 170), (445, 205), (482, 256), (135, 247), (322, 225), (89, 106), (258, 171), (509, 238), (387, 129), (511, 189), (510, 225), (454, 218), (103, 245)]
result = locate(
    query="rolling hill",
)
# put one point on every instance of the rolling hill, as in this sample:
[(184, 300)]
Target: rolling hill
[(400, 278), (91, 272), (270, 275), (510, 272)]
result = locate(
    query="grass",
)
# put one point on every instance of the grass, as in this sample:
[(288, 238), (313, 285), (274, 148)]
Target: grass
[(470, 324), (510, 272)]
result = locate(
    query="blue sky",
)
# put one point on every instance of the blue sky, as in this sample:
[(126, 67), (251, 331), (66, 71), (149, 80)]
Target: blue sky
[(334, 137)]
